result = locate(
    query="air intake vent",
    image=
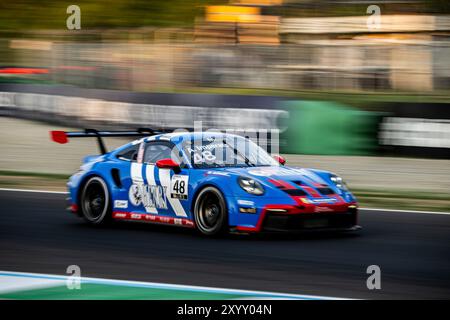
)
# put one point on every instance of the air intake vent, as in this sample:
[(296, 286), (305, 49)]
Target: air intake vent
[(116, 177), (295, 192), (325, 191)]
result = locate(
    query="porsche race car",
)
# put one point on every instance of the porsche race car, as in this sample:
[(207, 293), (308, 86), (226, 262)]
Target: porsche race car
[(214, 182)]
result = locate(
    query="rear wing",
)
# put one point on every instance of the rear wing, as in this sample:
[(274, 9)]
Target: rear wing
[(63, 136)]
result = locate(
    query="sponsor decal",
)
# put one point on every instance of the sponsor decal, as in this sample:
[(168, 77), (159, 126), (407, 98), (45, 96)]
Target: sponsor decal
[(203, 148), (135, 195), (121, 204), (165, 219), (150, 176), (323, 200), (150, 196), (136, 216), (152, 218), (271, 171), (245, 202), (179, 187), (217, 173), (323, 209), (318, 200)]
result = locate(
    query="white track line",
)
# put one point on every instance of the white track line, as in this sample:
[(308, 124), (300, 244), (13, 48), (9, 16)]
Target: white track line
[(158, 285), (366, 209), (404, 211), (31, 190), (11, 283)]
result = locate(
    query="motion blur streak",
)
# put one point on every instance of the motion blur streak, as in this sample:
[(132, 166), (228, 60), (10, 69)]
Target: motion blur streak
[(27, 283), (357, 88), (411, 250), (286, 45)]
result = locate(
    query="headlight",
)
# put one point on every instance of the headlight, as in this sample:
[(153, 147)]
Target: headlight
[(251, 186), (338, 182)]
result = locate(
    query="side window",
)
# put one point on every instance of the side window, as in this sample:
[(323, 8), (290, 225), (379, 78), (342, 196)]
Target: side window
[(129, 153), (155, 151)]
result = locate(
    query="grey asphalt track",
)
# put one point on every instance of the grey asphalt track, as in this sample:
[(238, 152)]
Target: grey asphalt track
[(412, 250)]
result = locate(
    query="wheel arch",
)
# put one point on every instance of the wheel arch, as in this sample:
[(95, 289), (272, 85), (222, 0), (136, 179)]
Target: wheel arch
[(226, 223), (200, 189), (83, 182)]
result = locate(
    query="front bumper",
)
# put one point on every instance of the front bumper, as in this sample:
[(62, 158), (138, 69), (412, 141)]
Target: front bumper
[(286, 218), (345, 221)]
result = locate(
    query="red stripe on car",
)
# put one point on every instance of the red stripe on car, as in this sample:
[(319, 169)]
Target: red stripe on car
[(152, 218)]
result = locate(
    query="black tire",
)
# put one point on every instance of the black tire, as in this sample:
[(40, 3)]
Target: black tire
[(95, 201), (210, 212)]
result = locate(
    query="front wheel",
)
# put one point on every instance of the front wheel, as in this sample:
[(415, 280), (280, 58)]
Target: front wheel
[(94, 201), (210, 212)]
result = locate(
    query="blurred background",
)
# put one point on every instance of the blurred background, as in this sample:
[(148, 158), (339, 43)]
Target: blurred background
[(361, 88)]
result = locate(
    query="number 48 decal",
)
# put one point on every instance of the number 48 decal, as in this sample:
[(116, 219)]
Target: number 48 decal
[(179, 187), (205, 156)]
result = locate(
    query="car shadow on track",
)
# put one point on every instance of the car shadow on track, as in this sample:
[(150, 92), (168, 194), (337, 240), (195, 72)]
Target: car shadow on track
[(129, 226)]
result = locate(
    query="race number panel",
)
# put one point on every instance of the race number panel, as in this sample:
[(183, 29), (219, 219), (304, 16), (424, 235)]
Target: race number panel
[(179, 187)]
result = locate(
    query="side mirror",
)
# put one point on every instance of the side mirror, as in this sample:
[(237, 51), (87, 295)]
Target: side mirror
[(168, 164), (280, 159)]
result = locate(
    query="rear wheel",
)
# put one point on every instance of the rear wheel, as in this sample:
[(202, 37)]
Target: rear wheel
[(210, 212), (94, 201)]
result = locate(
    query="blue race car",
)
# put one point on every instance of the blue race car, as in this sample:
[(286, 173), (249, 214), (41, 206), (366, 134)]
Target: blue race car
[(214, 182)]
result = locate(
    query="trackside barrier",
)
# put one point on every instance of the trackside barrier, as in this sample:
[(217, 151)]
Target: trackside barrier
[(329, 128)]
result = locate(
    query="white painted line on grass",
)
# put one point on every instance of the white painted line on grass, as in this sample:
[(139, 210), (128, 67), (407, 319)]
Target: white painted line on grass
[(157, 285)]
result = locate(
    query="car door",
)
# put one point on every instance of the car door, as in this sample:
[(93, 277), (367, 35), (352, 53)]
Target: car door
[(165, 191), (121, 172)]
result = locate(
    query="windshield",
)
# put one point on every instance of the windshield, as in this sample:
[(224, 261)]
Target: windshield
[(226, 151)]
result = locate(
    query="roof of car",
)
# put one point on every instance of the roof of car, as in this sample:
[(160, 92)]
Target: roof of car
[(176, 137)]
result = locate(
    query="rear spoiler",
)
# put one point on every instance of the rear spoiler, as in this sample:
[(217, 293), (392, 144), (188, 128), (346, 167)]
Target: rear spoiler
[(62, 136)]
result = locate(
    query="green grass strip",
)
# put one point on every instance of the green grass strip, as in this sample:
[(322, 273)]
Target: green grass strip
[(91, 291)]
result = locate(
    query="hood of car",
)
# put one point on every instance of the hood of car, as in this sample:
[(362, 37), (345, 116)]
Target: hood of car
[(295, 182), (298, 176)]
